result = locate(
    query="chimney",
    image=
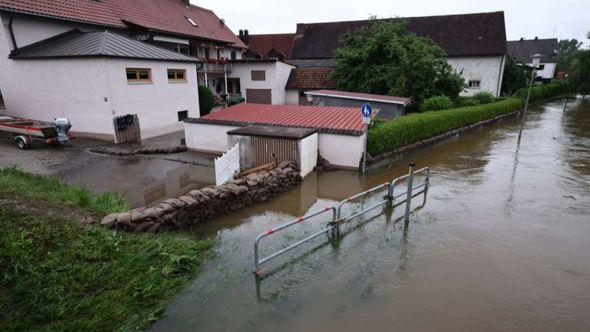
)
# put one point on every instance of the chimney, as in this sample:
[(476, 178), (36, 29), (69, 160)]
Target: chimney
[(187, 3), (521, 38), (536, 38), (244, 36)]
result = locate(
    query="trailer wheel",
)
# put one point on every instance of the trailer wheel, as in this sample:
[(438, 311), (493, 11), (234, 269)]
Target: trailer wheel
[(21, 143)]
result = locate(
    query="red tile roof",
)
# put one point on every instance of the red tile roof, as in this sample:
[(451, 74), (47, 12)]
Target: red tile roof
[(282, 43), (167, 16), (327, 119), (311, 78), (361, 96)]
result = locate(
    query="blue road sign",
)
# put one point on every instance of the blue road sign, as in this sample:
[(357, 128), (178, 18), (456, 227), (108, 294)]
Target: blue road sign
[(366, 110)]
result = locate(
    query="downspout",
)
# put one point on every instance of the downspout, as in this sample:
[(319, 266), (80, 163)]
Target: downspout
[(12, 33), (500, 75)]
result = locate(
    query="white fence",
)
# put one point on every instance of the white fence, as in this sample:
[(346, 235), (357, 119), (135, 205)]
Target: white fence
[(227, 165)]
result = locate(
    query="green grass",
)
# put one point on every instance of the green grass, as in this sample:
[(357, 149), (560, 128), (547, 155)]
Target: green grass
[(60, 275), (52, 189), (415, 127)]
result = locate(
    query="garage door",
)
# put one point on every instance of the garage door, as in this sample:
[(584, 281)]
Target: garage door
[(259, 96)]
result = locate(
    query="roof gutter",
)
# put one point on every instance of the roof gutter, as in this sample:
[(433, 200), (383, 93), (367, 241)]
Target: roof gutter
[(12, 34)]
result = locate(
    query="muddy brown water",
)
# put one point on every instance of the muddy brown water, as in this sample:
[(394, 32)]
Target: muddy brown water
[(503, 243)]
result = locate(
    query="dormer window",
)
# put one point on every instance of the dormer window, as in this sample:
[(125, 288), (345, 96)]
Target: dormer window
[(191, 21)]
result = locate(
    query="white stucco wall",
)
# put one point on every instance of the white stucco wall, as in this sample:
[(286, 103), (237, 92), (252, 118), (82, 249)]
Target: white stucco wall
[(308, 152), (277, 74), (207, 137), (342, 150), (292, 97), (548, 72), (486, 69), (157, 104)]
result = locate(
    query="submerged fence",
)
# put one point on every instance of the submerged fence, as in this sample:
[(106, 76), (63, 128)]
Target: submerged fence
[(391, 201)]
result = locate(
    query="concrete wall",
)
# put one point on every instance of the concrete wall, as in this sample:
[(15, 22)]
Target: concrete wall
[(207, 137), (292, 97), (341, 150), (308, 154), (487, 69), (277, 74)]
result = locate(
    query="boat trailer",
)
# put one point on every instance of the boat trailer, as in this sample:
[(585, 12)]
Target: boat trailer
[(390, 201), (26, 131)]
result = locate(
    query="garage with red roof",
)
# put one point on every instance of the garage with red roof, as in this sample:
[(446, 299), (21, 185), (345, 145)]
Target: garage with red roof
[(340, 129)]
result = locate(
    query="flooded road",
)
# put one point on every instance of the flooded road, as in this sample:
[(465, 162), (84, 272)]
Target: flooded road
[(503, 243)]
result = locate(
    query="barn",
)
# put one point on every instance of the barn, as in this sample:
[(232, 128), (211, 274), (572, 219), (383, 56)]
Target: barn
[(340, 130)]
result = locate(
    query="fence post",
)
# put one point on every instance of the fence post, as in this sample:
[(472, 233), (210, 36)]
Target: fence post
[(567, 98), (426, 185), (409, 197)]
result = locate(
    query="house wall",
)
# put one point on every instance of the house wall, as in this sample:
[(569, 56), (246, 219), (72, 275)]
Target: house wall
[(308, 154), (157, 104), (277, 74), (386, 110), (207, 137), (342, 150), (292, 97), (486, 69)]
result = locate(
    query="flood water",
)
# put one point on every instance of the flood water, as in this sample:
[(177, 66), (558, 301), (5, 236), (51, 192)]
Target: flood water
[(503, 243)]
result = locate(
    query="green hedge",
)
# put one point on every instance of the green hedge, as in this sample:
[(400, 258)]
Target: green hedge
[(544, 91), (419, 126)]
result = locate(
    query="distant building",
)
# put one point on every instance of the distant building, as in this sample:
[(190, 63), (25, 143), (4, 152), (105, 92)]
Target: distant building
[(523, 49)]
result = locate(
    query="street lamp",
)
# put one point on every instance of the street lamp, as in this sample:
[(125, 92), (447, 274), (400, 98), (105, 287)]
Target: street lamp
[(536, 61)]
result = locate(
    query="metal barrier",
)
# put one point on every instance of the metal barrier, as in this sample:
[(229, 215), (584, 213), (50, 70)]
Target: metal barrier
[(389, 201)]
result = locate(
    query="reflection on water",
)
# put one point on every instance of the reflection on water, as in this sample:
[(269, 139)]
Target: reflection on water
[(502, 244)]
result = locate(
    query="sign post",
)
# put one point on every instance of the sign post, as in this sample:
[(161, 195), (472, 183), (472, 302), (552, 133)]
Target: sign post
[(366, 111)]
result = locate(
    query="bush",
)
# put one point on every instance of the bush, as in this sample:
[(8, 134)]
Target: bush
[(206, 100), (236, 100), (484, 97), (467, 101), (543, 91), (419, 126), (437, 103)]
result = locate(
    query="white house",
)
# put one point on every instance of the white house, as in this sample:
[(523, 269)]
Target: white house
[(523, 50), (95, 60), (261, 81), (475, 45)]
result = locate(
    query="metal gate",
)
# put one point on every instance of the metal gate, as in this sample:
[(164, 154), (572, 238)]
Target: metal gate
[(127, 128), (267, 149)]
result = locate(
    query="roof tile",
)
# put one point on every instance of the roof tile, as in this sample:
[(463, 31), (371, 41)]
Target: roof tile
[(311, 78)]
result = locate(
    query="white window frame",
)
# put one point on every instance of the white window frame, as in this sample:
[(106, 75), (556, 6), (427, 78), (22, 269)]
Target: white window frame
[(474, 87)]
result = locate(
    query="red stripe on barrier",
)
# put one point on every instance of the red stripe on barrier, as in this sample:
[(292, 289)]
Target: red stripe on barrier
[(327, 208), (300, 219), (270, 231), (349, 199)]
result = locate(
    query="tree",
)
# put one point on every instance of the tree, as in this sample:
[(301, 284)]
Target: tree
[(206, 100), (566, 48), (515, 76), (581, 67), (384, 58)]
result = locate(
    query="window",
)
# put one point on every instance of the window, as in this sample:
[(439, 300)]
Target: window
[(191, 21), (474, 84), (182, 115), (540, 67), (258, 75), (233, 55), (139, 75), (176, 75)]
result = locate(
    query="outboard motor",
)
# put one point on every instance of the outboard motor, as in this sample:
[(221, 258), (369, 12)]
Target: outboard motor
[(62, 126)]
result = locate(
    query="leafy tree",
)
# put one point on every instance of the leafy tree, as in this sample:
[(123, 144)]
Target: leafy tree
[(516, 76), (566, 48), (206, 100), (581, 67), (384, 58)]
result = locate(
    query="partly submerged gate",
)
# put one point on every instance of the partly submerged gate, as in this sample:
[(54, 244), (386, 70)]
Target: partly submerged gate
[(127, 128), (266, 150)]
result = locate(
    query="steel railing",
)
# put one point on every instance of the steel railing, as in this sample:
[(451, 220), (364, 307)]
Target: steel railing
[(390, 200)]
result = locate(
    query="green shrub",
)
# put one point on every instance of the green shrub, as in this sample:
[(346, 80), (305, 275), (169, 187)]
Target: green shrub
[(467, 101), (543, 91), (437, 103), (206, 100), (419, 126), (484, 97), (236, 100)]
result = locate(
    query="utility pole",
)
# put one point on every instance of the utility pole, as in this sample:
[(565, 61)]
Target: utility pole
[(536, 61)]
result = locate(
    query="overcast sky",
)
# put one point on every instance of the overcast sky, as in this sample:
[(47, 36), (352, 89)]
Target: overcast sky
[(524, 18)]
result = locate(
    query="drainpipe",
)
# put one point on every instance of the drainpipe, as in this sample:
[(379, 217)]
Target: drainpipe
[(12, 34), (225, 78), (500, 76)]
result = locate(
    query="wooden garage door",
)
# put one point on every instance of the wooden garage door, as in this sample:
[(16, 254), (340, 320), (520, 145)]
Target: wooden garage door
[(259, 96)]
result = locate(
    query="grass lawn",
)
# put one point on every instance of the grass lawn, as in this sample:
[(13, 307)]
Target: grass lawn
[(57, 272)]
